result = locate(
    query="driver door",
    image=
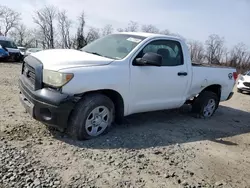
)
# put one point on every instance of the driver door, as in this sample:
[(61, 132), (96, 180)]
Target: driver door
[(156, 88)]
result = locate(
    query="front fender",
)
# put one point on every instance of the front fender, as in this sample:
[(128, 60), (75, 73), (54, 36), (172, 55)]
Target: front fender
[(94, 78)]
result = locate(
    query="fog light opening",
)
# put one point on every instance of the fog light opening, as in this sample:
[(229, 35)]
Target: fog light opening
[(46, 114)]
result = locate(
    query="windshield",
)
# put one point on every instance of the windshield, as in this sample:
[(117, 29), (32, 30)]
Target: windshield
[(115, 46), (8, 44)]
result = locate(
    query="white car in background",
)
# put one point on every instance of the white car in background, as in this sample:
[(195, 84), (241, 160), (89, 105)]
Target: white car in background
[(22, 49), (244, 82), (31, 51)]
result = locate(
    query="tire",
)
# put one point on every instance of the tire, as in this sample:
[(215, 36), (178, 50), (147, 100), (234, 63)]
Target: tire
[(239, 90), (205, 105), (83, 125)]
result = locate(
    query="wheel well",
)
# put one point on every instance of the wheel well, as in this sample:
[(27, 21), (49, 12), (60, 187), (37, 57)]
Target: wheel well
[(116, 99), (214, 88)]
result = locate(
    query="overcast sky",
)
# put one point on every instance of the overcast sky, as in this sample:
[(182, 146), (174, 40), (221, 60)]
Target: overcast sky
[(193, 19)]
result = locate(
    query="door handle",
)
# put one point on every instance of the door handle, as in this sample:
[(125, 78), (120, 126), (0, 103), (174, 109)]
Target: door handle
[(182, 73)]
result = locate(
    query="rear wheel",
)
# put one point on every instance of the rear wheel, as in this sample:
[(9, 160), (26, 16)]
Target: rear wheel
[(92, 117), (205, 105)]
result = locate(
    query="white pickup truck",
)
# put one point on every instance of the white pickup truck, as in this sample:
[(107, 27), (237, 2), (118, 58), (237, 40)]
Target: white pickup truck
[(86, 91)]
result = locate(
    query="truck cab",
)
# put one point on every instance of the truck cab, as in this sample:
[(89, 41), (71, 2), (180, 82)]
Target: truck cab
[(85, 91)]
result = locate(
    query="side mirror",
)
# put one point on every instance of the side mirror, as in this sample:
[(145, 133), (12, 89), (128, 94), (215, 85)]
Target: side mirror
[(149, 58)]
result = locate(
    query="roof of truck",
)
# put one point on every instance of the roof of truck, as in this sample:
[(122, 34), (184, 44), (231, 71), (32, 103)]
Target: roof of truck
[(147, 35)]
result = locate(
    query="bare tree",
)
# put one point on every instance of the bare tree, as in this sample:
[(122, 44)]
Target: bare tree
[(150, 29), (165, 32), (238, 55), (197, 51), (64, 25), (214, 49), (80, 40), (120, 29), (26, 37), (45, 19), (1, 11), (9, 19), (38, 38), (92, 34), (19, 34), (107, 30), (132, 27)]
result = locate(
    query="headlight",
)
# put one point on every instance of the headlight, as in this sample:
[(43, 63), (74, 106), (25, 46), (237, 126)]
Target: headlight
[(56, 79), (241, 78)]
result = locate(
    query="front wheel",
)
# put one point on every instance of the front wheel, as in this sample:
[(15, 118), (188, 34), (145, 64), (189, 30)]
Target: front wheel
[(92, 117), (239, 90), (206, 104)]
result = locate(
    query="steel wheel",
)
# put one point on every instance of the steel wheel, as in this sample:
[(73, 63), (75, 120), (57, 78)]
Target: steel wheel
[(209, 108), (97, 121)]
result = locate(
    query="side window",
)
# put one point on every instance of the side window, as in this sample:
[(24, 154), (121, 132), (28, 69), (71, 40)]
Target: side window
[(170, 51)]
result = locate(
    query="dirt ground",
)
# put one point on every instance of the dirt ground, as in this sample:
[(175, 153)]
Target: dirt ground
[(158, 149)]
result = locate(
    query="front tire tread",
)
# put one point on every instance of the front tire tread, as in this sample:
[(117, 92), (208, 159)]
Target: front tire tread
[(76, 128)]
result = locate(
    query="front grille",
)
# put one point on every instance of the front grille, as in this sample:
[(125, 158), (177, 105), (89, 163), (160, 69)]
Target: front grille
[(29, 73), (247, 84), (32, 71)]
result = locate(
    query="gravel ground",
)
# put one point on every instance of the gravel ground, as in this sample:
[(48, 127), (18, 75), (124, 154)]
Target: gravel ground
[(158, 149)]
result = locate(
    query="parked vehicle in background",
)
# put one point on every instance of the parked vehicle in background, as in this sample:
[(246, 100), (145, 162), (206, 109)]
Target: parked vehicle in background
[(22, 49), (85, 91), (244, 82), (32, 50), (10, 46), (4, 54)]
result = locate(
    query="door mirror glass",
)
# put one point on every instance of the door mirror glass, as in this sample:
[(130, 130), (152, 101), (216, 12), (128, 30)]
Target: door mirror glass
[(149, 58)]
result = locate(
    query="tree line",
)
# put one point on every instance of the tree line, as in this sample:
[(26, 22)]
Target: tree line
[(54, 29)]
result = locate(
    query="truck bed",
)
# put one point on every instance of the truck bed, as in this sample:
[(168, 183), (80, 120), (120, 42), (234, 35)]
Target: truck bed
[(210, 65), (205, 75)]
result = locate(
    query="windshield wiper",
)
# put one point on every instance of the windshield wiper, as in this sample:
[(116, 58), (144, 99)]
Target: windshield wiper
[(95, 53)]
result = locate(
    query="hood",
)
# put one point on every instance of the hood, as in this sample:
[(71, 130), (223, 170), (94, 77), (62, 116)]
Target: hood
[(58, 59), (246, 78), (13, 50)]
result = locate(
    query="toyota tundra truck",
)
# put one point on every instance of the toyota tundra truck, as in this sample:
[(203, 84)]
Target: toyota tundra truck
[(84, 92)]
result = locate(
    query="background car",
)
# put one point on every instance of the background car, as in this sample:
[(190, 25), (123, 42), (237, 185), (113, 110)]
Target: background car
[(4, 54), (32, 50), (10, 46), (244, 82), (22, 49)]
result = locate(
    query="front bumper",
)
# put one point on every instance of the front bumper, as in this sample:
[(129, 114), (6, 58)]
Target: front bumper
[(245, 89), (242, 87), (47, 106)]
